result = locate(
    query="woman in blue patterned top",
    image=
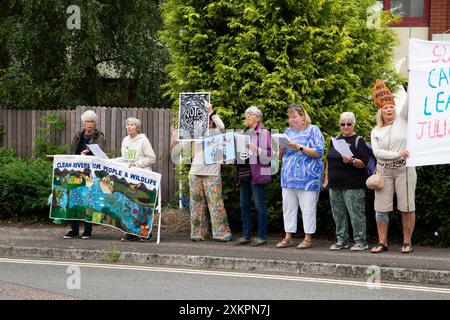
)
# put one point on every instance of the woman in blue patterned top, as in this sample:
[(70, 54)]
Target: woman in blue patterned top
[(301, 175)]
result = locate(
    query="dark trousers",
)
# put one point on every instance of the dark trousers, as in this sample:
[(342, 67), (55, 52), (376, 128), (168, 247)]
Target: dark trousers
[(247, 190), (75, 225)]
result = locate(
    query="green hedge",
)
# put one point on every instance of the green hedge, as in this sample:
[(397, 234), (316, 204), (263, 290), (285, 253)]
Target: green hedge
[(433, 205), (24, 187)]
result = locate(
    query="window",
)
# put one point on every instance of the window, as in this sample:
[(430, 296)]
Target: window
[(416, 13)]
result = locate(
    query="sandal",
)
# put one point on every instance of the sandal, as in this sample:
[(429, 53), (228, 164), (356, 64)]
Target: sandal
[(305, 244), (285, 243), (407, 246), (379, 245)]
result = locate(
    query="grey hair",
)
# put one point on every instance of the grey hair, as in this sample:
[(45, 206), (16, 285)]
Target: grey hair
[(348, 116), (254, 110), (89, 115), (134, 121)]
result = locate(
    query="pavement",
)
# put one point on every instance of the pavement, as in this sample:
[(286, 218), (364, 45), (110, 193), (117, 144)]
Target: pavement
[(425, 265)]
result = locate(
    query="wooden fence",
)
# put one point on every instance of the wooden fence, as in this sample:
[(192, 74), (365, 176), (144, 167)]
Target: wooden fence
[(20, 129)]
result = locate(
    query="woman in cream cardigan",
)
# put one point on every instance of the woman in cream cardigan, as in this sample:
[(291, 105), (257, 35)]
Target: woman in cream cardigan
[(389, 146)]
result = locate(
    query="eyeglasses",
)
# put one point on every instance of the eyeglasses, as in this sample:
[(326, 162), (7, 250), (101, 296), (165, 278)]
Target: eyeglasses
[(346, 124)]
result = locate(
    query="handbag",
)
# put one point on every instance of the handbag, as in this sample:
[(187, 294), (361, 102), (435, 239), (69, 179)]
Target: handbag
[(375, 181)]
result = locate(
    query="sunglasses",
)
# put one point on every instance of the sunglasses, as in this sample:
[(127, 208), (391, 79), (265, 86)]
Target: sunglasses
[(346, 124)]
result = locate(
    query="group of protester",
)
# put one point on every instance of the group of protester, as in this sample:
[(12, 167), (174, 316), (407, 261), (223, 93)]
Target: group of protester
[(303, 174)]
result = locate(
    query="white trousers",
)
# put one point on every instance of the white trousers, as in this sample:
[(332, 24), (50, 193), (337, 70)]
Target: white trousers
[(307, 200)]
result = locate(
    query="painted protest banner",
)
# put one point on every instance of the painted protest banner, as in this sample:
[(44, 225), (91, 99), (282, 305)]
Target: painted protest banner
[(104, 191), (193, 116), (219, 148), (429, 103)]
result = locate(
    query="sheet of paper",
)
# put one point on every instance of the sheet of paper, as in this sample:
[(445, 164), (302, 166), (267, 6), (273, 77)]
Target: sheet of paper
[(242, 140), (97, 151), (282, 139), (342, 147)]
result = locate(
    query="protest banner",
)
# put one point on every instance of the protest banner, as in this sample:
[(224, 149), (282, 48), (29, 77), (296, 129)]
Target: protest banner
[(193, 116), (105, 192), (429, 100)]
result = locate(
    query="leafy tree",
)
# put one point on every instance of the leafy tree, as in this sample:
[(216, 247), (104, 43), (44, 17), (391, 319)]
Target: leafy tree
[(45, 64), (272, 53)]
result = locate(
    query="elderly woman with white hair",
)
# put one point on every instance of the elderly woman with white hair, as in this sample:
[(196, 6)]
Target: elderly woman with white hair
[(89, 135), (253, 175), (136, 149), (137, 152), (346, 177)]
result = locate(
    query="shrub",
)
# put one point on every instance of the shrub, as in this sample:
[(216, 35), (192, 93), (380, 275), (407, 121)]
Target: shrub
[(433, 205), (6, 156), (44, 146), (24, 187)]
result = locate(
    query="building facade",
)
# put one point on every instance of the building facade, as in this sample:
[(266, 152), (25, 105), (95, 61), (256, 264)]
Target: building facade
[(423, 19)]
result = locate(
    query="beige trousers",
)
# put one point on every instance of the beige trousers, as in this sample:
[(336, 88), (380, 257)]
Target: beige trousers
[(395, 181)]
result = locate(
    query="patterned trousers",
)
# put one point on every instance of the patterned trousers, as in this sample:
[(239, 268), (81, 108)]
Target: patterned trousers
[(345, 203), (206, 192)]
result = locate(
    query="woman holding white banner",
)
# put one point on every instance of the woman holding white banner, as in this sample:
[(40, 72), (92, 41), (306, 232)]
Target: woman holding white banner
[(89, 135), (138, 152), (389, 146)]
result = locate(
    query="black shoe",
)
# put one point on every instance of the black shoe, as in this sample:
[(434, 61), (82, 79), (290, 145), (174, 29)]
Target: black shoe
[(87, 234), (71, 235), (130, 237)]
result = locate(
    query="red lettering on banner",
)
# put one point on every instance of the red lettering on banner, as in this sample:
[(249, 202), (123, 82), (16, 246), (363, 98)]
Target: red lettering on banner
[(421, 132), (437, 128), (440, 52)]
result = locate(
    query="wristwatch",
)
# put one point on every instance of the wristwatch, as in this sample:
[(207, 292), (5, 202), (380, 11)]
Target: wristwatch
[(301, 149)]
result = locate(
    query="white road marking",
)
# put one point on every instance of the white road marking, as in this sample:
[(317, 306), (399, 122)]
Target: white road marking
[(225, 274)]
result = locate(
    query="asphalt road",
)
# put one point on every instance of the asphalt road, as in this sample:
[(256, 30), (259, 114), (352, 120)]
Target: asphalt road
[(43, 280)]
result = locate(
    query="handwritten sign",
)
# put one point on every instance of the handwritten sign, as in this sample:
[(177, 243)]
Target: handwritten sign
[(105, 192), (429, 103)]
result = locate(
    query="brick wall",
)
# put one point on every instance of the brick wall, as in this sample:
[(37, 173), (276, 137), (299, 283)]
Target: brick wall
[(439, 16)]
